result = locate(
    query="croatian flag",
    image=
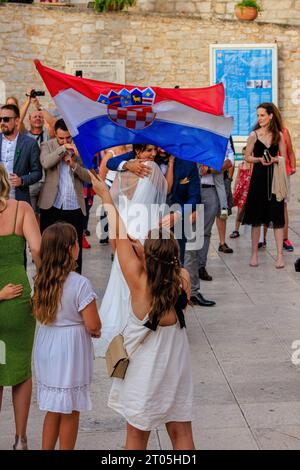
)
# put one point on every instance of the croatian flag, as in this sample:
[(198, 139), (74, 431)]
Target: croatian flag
[(188, 122)]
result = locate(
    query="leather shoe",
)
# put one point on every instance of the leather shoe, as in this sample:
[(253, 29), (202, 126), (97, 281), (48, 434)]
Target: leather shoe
[(203, 275), (225, 248), (198, 299)]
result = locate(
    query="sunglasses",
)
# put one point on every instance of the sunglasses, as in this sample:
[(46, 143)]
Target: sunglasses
[(7, 118)]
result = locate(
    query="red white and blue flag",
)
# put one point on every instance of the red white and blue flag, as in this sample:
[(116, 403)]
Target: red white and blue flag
[(187, 122)]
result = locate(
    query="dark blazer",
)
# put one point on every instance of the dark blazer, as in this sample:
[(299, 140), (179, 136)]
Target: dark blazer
[(186, 184), (26, 164)]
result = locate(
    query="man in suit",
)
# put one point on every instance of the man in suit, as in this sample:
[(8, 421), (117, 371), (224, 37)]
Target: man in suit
[(185, 191), (62, 197), (19, 153)]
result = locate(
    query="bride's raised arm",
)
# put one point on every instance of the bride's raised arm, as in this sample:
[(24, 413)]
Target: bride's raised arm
[(129, 257)]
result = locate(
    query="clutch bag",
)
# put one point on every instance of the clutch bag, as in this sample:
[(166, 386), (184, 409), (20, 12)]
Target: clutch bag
[(116, 358)]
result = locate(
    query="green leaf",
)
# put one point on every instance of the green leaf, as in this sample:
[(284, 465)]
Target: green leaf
[(112, 5), (250, 3)]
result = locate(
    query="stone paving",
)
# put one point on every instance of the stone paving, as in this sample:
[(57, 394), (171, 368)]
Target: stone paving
[(247, 390)]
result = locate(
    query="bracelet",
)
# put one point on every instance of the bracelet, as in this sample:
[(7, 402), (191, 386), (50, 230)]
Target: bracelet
[(75, 167)]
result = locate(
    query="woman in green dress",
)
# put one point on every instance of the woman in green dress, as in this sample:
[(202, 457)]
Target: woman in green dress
[(17, 324)]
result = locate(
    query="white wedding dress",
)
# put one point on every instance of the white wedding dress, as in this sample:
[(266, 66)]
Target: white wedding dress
[(138, 201)]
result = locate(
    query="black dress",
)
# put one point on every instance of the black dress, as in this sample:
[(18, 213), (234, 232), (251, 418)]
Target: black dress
[(261, 207)]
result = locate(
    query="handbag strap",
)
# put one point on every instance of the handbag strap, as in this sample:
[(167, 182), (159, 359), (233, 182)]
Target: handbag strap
[(141, 342)]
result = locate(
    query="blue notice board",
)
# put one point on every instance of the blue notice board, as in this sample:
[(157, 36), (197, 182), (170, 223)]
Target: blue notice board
[(249, 75)]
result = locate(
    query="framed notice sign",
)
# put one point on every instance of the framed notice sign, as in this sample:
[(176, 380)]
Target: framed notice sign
[(102, 70), (249, 75)]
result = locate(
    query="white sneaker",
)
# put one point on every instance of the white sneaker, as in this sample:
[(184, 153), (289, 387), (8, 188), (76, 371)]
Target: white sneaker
[(224, 214)]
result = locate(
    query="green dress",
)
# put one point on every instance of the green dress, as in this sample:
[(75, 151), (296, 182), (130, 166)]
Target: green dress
[(17, 324)]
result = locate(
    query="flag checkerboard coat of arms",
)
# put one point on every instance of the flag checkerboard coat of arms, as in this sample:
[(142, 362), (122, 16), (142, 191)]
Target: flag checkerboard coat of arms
[(132, 117), (130, 109)]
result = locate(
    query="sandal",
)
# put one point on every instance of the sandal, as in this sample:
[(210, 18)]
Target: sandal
[(234, 234)]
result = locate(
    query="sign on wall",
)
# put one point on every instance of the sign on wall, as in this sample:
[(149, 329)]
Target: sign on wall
[(102, 70), (249, 75)]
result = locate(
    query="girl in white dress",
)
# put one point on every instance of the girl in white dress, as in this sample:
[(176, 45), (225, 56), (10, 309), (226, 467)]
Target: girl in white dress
[(64, 304), (157, 388)]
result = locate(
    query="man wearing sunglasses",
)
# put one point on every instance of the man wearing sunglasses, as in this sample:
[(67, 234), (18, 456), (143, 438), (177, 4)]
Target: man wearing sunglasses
[(19, 153)]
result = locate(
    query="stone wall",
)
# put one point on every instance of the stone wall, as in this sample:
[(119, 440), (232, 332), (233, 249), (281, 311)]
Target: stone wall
[(158, 50), (274, 11)]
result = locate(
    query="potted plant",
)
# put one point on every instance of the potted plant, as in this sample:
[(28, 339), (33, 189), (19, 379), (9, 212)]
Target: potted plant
[(247, 10), (112, 5)]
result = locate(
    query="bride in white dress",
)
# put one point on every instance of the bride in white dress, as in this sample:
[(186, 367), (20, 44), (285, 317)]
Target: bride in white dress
[(138, 201)]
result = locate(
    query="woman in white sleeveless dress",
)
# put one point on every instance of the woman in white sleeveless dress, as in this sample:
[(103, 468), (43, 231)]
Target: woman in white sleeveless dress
[(157, 388), (138, 201)]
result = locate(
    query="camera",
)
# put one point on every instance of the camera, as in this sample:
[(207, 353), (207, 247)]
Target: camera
[(35, 93)]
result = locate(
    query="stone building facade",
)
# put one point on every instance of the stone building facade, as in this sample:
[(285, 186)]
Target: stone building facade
[(159, 49), (274, 11)]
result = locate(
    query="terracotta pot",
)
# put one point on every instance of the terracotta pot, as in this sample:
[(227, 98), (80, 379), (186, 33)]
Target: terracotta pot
[(246, 13)]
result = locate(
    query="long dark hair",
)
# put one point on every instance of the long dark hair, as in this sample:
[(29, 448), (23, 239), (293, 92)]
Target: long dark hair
[(137, 148), (163, 271), (276, 122)]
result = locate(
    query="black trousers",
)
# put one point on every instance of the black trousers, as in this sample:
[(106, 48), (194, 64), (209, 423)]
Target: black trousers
[(88, 206), (74, 217)]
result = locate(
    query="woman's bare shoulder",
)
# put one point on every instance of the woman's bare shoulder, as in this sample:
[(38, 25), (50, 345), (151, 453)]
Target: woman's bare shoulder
[(25, 206), (253, 135)]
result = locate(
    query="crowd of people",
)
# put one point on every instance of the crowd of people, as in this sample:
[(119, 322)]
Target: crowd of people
[(45, 198)]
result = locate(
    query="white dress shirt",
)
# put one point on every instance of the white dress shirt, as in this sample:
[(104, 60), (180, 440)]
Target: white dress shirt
[(66, 198), (8, 151)]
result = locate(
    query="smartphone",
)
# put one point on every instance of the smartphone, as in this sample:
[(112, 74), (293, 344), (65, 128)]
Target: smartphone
[(266, 156)]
